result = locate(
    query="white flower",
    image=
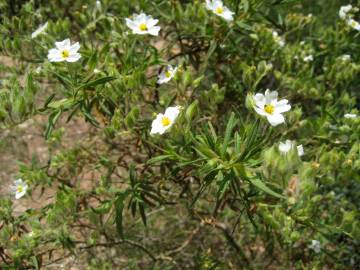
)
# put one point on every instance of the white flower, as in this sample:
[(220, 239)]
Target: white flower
[(350, 115), (96, 71), (268, 105), (344, 10), (40, 30), (279, 40), (166, 75), (285, 147), (219, 9), (163, 122), (98, 4), (300, 150), (315, 246), (19, 188), (143, 24), (308, 58), (353, 24), (64, 51), (345, 57)]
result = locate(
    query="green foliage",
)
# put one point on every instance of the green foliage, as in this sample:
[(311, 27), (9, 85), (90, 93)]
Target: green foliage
[(214, 191)]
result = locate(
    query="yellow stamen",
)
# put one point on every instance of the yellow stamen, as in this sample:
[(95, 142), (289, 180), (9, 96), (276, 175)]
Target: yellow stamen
[(167, 74), (219, 10), (165, 121), (269, 108), (65, 54), (19, 189), (143, 27)]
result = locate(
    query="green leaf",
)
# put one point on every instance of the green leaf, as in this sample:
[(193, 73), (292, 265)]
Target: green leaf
[(132, 117), (158, 159), (35, 262), (132, 175), (96, 82), (261, 185), (206, 182), (66, 82), (229, 128), (119, 208), (223, 183), (47, 102), (65, 103), (205, 151), (244, 26), (29, 84), (142, 212), (88, 116), (53, 118)]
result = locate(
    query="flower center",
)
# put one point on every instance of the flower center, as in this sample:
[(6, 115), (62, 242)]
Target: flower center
[(269, 108), (19, 189), (165, 121), (219, 10), (353, 24), (143, 27), (65, 54), (167, 74)]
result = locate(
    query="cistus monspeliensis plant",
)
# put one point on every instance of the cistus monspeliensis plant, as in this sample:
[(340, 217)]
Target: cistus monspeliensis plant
[(179, 134)]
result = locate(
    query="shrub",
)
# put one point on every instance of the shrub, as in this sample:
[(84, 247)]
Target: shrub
[(180, 134)]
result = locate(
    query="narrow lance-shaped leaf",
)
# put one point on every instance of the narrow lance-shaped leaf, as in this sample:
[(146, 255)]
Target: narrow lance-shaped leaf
[(119, 208), (142, 212), (223, 183), (261, 185), (229, 128)]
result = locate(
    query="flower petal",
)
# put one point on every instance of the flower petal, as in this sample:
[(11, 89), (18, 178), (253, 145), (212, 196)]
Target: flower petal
[(18, 181), (270, 96), (227, 15), (260, 111), (151, 22), (285, 147), (300, 150), (275, 119), (54, 55), (259, 100), (74, 48), (282, 106), (154, 30), (210, 5), (130, 23), (65, 44), (172, 112), (73, 57), (163, 79), (157, 127)]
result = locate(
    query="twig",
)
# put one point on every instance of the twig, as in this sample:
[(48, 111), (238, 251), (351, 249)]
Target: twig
[(186, 242), (124, 241)]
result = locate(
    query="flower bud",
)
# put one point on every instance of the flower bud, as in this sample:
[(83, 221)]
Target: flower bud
[(187, 78), (197, 81), (249, 101), (192, 110)]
